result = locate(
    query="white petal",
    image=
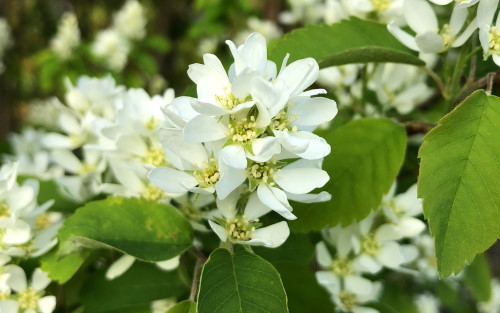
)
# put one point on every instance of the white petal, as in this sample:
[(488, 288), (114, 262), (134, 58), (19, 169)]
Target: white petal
[(120, 266), (17, 279), (486, 11), (206, 108), (390, 254), (255, 208), (234, 156), (254, 53), (227, 206), (317, 147), (405, 38), (323, 255), (411, 226), (204, 128), (329, 281), (310, 197), (299, 75), (18, 233), (172, 180), (496, 59), (67, 160), (264, 149), (271, 236), (484, 37), (230, 179), (429, 41), (313, 111), (57, 141), (169, 264), (40, 280), (458, 18), (301, 180), (358, 285), (420, 16), (20, 198), (47, 304), (410, 253), (291, 142), (441, 2), (465, 35), (276, 200), (219, 230), (368, 264), (387, 232), (9, 306)]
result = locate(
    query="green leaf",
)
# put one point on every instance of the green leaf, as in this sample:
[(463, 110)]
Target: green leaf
[(298, 248), (365, 159), (157, 43), (350, 41), (184, 307), (147, 230), (62, 269), (240, 283), (477, 277), (304, 293), (141, 284), (458, 181)]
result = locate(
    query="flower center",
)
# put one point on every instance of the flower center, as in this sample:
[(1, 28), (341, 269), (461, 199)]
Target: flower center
[(447, 34), (243, 131), (227, 100), (370, 245), (380, 5), (28, 299), (86, 169), (262, 172), (394, 207), (209, 175), (4, 211), (342, 266), (282, 122), (155, 157), (42, 221), (152, 123), (494, 44), (239, 228), (348, 299), (152, 193)]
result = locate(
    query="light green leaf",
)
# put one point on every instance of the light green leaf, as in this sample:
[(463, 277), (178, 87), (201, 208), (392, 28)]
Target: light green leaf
[(350, 41), (240, 283), (141, 284), (62, 269), (304, 293), (458, 180), (477, 277), (365, 159), (184, 307), (147, 230)]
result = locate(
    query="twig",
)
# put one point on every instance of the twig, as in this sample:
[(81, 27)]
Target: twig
[(490, 82), (196, 278), (435, 77), (418, 127)]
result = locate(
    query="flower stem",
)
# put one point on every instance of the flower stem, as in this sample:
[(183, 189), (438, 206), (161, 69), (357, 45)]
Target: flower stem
[(197, 272)]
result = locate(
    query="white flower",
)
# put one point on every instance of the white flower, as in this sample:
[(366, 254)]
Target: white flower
[(163, 305), (493, 304), (67, 37), (427, 303), (349, 293), (29, 298), (461, 3), (429, 37), (244, 227), (401, 210), (113, 48), (131, 21), (489, 37)]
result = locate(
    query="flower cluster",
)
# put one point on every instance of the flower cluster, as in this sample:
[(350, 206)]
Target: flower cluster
[(26, 230), (367, 247), (67, 37), (113, 44), (247, 139)]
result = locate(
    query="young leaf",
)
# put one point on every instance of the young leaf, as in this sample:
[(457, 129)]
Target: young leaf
[(240, 283), (141, 284), (62, 269), (459, 170), (477, 277), (147, 230), (365, 159), (350, 41)]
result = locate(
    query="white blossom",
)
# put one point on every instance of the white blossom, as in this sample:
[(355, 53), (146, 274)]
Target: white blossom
[(112, 48), (131, 21), (67, 37)]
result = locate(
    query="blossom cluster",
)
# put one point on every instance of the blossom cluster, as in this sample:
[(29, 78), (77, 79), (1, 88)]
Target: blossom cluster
[(67, 37), (114, 44), (27, 230), (247, 138)]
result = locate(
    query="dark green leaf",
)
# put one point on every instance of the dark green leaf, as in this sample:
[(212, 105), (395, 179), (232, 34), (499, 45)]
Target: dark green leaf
[(157, 43), (240, 283), (304, 293), (298, 248), (184, 307), (62, 269), (350, 41), (148, 230), (141, 284), (458, 181), (365, 159)]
